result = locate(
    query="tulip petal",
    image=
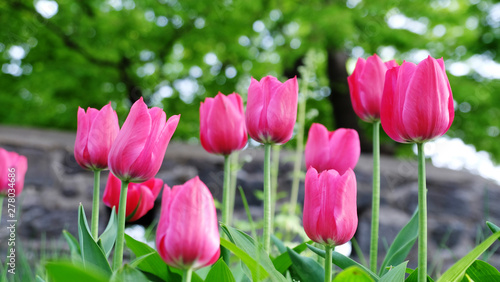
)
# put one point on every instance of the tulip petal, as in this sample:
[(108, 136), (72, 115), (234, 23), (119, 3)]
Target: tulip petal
[(316, 150), (344, 150), (102, 133), (372, 78), (255, 107), (282, 110)]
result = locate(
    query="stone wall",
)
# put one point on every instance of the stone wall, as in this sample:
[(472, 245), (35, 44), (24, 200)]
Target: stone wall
[(459, 202)]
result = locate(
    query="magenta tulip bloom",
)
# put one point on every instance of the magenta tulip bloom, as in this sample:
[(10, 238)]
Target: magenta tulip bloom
[(140, 196), (272, 109), (13, 168), (330, 212), (188, 233), (139, 148), (222, 124), (366, 85), (95, 134), (338, 150), (417, 104)]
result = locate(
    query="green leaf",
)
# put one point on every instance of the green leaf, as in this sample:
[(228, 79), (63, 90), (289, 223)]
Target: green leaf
[(220, 272), (62, 270), (402, 244), (492, 227), (135, 262), (39, 279), (92, 254), (306, 268), (413, 277), (482, 271), (254, 250), (353, 274), (128, 274), (279, 244), (258, 271), (343, 262), (396, 274), (108, 237), (153, 263), (74, 246), (457, 271), (283, 262)]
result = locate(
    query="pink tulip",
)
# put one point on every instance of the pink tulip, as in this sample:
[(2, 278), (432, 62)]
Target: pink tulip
[(188, 234), (366, 85), (272, 109), (140, 196), (95, 134), (330, 212), (417, 104), (222, 124), (13, 168), (337, 149), (139, 148)]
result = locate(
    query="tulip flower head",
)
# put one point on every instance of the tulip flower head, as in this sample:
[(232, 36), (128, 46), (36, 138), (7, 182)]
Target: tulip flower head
[(417, 104), (272, 109), (13, 168), (139, 148), (330, 212), (337, 149), (366, 85), (95, 133), (188, 235), (222, 124), (140, 196)]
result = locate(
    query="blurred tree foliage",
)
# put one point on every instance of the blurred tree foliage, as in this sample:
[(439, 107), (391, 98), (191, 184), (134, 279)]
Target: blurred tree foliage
[(175, 53)]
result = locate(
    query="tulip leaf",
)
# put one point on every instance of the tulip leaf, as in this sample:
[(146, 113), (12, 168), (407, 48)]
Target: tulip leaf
[(306, 268), (128, 274), (90, 250), (343, 262), (279, 244), (482, 271), (62, 270), (257, 270), (108, 237), (255, 250), (492, 227), (413, 277), (135, 262), (39, 279), (457, 271), (74, 246), (353, 274), (402, 244), (395, 274), (283, 261), (220, 272), (153, 263)]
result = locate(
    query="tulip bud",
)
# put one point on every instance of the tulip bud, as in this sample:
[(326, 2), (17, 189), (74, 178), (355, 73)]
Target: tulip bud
[(272, 109), (366, 85), (330, 212), (338, 150), (188, 234), (222, 124), (139, 148), (417, 104), (96, 131), (13, 168), (140, 196)]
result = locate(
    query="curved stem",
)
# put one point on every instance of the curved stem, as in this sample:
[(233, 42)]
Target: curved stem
[(375, 197), (186, 276), (95, 205), (422, 216), (118, 257), (267, 198), (226, 193), (328, 263)]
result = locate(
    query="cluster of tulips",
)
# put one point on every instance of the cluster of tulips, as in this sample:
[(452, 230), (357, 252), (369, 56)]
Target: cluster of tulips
[(413, 102)]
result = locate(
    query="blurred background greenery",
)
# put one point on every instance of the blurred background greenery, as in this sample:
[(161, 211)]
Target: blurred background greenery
[(58, 55)]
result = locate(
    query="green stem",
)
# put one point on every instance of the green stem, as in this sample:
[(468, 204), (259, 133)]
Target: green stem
[(226, 193), (186, 277), (95, 205), (275, 164), (328, 263), (1, 207), (375, 197), (122, 206), (234, 175), (267, 198), (422, 216)]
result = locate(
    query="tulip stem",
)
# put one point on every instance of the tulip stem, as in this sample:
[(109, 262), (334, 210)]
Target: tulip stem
[(232, 186), (267, 197), (122, 206), (226, 193), (1, 207), (275, 164), (328, 263), (95, 205), (375, 197), (186, 277), (422, 216)]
